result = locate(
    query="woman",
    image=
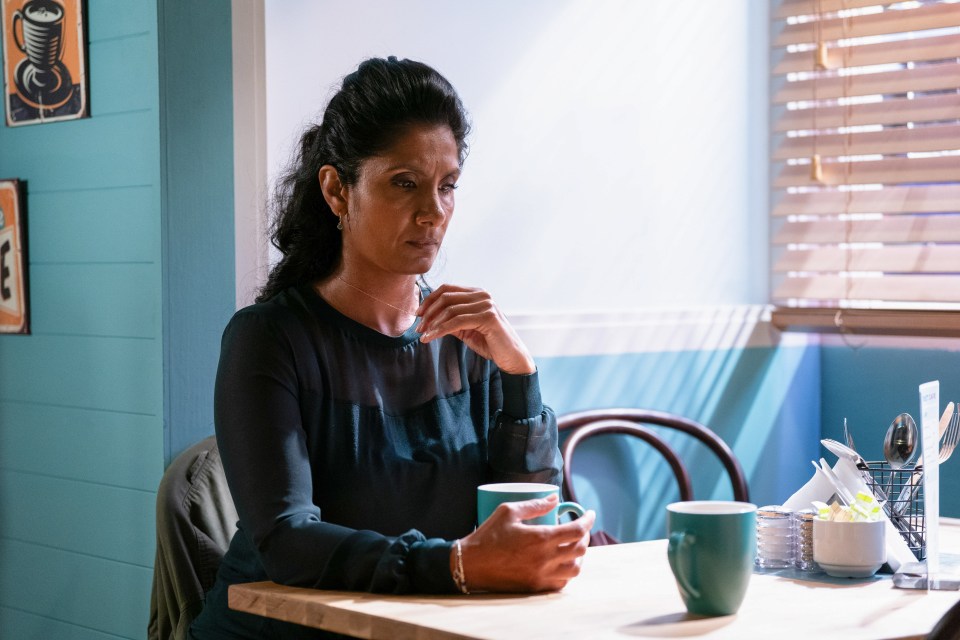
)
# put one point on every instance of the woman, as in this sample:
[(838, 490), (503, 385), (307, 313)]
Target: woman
[(356, 410)]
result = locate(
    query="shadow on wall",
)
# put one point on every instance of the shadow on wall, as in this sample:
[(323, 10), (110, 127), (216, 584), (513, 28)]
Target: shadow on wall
[(763, 401)]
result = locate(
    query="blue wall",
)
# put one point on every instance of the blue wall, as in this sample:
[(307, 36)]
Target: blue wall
[(196, 126), (763, 401), (771, 404), (131, 281), (871, 385)]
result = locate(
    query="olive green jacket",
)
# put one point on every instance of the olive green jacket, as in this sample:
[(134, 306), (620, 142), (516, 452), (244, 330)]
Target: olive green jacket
[(195, 521)]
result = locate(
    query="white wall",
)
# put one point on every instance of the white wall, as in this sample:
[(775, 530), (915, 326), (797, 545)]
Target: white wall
[(618, 160)]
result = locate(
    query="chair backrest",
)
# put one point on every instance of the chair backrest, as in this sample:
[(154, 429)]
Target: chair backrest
[(583, 425), (196, 520)]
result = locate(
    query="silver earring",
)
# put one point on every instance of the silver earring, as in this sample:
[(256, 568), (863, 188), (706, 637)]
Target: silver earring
[(340, 223)]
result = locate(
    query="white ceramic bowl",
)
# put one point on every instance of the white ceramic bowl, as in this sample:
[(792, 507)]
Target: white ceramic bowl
[(849, 549)]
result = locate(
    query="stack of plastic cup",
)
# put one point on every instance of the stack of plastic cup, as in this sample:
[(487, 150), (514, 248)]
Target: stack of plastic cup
[(776, 537), (803, 526)]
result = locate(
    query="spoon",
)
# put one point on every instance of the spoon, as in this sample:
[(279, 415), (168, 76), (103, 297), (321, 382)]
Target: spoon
[(900, 443)]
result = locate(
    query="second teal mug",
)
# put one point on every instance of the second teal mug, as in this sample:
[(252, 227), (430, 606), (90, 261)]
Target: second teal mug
[(712, 548), (489, 496)]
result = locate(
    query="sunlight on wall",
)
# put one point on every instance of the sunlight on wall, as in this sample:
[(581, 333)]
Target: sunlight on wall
[(610, 174), (618, 157), (746, 396)]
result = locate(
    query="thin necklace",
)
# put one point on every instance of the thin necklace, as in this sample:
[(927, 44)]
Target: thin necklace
[(373, 297)]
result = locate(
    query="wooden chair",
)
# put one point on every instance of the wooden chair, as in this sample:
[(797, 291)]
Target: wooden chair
[(583, 425)]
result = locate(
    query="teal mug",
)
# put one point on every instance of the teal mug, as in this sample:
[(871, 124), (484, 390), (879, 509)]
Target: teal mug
[(712, 548), (490, 496)]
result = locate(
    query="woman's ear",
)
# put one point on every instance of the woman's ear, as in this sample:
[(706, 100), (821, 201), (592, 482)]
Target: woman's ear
[(334, 191)]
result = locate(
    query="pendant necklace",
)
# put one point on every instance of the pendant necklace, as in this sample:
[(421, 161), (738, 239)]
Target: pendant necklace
[(373, 297)]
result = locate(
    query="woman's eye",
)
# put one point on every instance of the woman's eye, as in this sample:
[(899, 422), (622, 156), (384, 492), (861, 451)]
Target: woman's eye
[(447, 188), (405, 184)]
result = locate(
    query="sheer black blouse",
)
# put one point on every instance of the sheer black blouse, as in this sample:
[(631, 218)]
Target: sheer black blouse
[(353, 457)]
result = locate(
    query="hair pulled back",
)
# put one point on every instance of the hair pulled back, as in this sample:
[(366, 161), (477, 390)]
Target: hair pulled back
[(375, 105)]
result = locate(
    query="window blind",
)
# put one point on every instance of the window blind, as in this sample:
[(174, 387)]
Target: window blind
[(865, 207)]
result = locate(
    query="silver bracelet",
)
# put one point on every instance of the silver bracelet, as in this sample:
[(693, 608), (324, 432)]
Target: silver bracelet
[(458, 576)]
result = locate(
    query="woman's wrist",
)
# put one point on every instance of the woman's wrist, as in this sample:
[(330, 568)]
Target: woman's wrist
[(522, 368)]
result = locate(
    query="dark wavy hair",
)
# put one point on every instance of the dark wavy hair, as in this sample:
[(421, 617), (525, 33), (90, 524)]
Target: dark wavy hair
[(375, 105)]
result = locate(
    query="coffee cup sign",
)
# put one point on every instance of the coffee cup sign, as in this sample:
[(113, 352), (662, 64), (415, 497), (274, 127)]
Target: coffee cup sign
[(41, 23), (44, 62)]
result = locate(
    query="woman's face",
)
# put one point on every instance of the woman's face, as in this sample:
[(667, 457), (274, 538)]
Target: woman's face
[(399, 208)]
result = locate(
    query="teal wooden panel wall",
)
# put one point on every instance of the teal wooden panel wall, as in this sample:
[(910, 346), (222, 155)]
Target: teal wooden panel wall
[(81, 399)]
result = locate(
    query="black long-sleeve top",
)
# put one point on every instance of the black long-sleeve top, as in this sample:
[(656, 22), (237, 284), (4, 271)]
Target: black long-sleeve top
[(353, 457)]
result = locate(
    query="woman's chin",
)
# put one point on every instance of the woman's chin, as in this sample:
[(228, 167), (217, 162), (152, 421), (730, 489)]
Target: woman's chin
[(420, 267)]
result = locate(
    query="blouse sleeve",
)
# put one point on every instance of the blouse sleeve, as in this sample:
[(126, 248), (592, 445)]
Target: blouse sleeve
[(523, 440), (264, 452)]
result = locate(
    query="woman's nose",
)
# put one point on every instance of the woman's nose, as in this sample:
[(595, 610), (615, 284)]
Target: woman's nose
[(432, 210)]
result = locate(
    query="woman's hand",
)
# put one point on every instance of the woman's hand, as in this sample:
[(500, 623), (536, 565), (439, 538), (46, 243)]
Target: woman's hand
[(473, 317), (503, 554)]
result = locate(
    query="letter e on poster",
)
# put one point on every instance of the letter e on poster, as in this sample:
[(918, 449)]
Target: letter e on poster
[(13, 263)]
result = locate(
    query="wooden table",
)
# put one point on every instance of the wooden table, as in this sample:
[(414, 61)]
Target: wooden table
[(623, 591)]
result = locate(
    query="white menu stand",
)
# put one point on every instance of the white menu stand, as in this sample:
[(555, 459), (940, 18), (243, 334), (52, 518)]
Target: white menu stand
[(928, 574)]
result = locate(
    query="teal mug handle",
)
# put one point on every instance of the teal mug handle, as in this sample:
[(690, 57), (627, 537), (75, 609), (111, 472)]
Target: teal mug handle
[(678, 553), (569, 507)]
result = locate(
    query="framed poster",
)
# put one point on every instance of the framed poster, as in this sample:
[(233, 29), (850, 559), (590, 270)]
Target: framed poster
[(14, 314), (44, 61)]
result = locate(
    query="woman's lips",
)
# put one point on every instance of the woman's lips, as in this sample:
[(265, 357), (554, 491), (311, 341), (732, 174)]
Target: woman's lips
[(422, 244)]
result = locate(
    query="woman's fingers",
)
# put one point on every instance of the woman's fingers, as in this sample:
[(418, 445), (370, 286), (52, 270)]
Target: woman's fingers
[(529, 509), (472, 316), (579, 527), (444, 293), (442, 297), (464, 316), (444, 304), (504, 554)]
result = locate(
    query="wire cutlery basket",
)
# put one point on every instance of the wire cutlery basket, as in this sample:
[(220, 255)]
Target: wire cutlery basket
[(901, 491)]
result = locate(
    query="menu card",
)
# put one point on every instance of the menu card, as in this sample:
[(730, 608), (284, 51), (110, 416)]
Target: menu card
[(930, 440)]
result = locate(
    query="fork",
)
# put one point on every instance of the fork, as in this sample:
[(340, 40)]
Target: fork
[(952, 437), (847, 435), (948, 443)]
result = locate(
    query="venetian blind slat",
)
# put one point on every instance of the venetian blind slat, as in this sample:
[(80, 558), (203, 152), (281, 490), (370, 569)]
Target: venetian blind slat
[(919, 109), (920, 18), (887, 171), (889, 141), (889, 288), (890, 200), (919, 50), (887, 259), (927, 78), (788, 8), (888, 229)]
